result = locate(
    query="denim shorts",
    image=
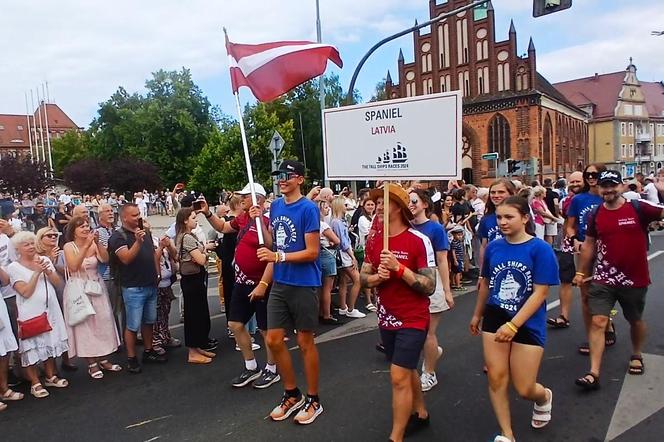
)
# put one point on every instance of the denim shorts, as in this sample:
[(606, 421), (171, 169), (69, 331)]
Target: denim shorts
[(328, 262), (140, 306)]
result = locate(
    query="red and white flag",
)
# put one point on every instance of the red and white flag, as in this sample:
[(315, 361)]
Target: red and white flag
[(272, 69)]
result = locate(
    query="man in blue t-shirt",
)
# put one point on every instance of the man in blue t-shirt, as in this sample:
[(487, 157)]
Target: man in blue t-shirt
[(296, 281)]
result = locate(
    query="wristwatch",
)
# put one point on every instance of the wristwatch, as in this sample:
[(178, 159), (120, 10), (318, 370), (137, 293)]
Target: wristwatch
[(208, 214)]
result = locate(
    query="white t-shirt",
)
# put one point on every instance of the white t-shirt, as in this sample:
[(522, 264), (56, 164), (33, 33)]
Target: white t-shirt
[(7, 256), (324, 242), (652, 193), (363, 227), (64, 198), (631, 195)]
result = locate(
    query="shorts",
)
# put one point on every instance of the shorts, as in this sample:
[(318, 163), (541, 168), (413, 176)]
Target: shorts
[(495, 317), (539, 231), (328, 262), (242, 309), (292, 307), (456, 268), (403, 346), (437, 301), (551, 229), (346, 260), (602, 298), (140, 306), (566, 267)]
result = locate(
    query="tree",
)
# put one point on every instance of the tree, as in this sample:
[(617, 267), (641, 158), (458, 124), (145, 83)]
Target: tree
[(69, 148), (380, 93), (20, 175), (92, 175), (168, 126), (88, 175), (221, 165)]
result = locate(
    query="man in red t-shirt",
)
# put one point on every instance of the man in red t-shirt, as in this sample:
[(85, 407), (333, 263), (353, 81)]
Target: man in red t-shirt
[(405, 277), (250, 291), (617, 276)]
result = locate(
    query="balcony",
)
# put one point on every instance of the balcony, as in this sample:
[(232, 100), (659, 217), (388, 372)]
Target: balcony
[(643, 137)]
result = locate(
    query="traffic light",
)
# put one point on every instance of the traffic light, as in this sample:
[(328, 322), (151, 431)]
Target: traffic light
[(544, 7), (513, 167)]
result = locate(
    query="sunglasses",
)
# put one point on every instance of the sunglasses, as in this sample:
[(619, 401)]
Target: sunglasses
[(414, 201), (51, 235), (591, 175), (285, 176)]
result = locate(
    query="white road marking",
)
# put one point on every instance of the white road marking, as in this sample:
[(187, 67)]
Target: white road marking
[(145, 422)]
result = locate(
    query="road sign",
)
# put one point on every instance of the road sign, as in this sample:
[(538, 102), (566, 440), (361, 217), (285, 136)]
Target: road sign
[(394, 140), (490, 156), (544, 7), (276, 146)]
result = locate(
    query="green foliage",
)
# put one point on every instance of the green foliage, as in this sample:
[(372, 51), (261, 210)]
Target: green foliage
[(92, 175), (168, 126), (69, 148), (380, 93)]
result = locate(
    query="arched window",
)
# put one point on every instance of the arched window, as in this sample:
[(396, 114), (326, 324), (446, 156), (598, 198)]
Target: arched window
[(499, 137), (546, 141)]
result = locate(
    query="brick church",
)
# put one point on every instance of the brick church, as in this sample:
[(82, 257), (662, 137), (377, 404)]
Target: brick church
[(508, 107)]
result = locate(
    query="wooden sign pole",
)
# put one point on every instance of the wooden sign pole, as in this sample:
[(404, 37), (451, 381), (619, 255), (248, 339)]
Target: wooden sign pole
[(386, 215)]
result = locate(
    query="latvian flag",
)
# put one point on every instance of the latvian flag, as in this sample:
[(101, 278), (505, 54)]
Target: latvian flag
[(272, 69)]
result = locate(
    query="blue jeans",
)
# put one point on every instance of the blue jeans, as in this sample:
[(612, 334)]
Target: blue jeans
[(140, 306)]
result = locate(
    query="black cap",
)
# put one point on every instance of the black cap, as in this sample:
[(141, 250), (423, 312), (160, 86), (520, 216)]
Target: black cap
[(290, 166), (610, 176), (187, 201)]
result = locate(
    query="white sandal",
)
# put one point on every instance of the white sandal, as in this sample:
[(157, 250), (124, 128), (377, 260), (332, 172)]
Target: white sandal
[(11, 395), (108, 366), (38, 391), (501, 438), (56, 382), (542, 413)]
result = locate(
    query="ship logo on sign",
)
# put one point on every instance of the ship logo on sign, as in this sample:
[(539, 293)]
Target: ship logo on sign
[(394, 158), (399, 155)]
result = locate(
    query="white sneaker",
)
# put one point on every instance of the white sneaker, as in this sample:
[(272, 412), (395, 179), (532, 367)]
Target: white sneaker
[(355, 313), (428, 381), (343, 311), (254, 346)]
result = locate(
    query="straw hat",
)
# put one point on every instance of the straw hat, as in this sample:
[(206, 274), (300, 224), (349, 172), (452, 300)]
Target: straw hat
[(397, 194)]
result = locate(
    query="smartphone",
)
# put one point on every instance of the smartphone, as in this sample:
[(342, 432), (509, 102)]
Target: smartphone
[(140, 224), (197, 205)]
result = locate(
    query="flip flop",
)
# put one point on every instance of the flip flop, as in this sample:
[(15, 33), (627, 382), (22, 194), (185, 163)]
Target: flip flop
[(203, 360)]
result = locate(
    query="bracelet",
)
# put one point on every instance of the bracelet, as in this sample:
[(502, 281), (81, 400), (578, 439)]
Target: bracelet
[(264, 283), (402, 269), (208, 215), (276, 256), (580, 274), (512, 327), (282, 256)]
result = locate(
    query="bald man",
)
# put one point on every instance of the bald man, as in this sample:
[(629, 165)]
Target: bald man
[(566, 256)]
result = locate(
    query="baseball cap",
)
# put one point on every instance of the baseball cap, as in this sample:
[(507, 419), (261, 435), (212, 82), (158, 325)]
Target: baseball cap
[(457, 229), (246, 190), (290, 166), (609, 176)]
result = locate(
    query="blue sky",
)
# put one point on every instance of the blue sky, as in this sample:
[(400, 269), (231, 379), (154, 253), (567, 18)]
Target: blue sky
[(87, 49)]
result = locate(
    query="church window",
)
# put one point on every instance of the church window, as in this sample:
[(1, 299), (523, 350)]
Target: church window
[(499, 136)]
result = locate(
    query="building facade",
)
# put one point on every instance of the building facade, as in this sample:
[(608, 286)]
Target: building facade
[(626, 129), (20, 135), (508, 107)]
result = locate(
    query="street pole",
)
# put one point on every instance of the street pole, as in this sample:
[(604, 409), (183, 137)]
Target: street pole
[(304, 151), (321, 86), (349, 95)]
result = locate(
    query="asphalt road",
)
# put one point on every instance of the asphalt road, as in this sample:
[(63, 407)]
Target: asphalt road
[(179, 402)]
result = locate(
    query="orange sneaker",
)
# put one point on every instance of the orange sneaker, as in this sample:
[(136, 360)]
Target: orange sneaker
[(309, 412), (287, 407)]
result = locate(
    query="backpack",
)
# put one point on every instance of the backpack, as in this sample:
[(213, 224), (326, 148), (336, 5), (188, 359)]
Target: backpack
[(637, 207)]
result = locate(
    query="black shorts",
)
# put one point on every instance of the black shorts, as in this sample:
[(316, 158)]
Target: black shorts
[(602, 298), (403, 346), (566, 266), (495, 317), (293, 307), (242, 309)]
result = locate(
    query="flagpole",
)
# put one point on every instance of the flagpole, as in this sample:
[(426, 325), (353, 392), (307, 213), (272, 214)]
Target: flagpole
[(27, 117), (48, 136), (321, 85), (34, 123), (41, 128), (247, 160)]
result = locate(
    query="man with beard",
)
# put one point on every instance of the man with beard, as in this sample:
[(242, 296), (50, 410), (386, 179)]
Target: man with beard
[(617, 276), (566, 257)]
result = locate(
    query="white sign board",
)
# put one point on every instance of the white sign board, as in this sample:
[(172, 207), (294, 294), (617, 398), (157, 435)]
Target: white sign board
[(409, 138)]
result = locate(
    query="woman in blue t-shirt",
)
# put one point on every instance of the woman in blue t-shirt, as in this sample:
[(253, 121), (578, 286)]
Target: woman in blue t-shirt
[(517, 272), (577, 219)]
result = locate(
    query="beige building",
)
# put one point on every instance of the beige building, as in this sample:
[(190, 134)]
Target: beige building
[(626, 130)]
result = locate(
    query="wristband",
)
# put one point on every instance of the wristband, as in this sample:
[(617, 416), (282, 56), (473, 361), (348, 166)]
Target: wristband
[(580, 274), (512, 327), (264, 283), (208, 215), (402, 269), (282, 256), (276, 256)]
